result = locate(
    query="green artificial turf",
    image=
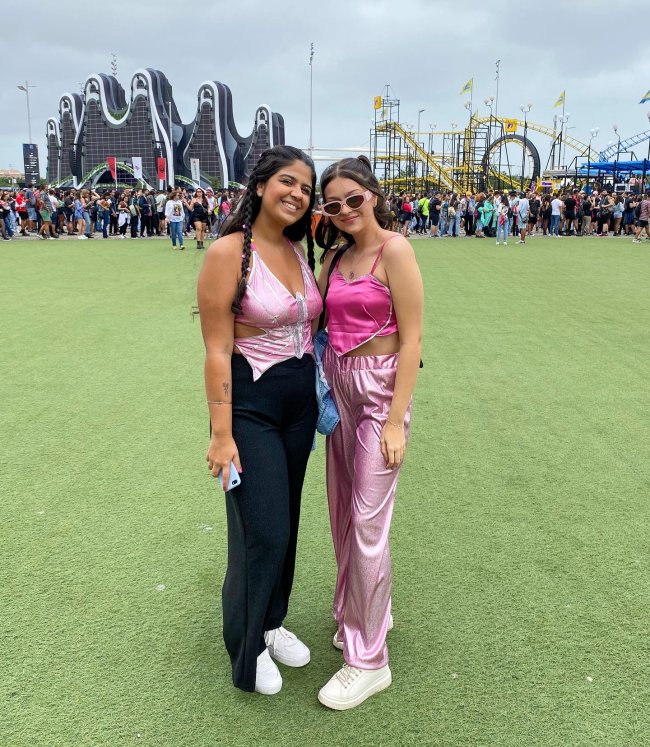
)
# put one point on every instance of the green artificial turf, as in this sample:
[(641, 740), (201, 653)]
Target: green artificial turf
[(520, 538)]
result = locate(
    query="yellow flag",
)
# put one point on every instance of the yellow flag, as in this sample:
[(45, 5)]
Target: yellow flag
[(510, 125), (560, 100), (378, 102), (467, 88)]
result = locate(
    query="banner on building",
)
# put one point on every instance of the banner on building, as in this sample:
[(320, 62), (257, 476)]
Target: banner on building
[(510, 126), (111, 162), (137, 167), (30, 160), (161, 165), (194, 167)]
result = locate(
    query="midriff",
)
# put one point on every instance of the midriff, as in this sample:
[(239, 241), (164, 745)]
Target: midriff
[(377, 346)]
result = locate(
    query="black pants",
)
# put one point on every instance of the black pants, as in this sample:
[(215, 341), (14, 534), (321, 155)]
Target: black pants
[(274, 421), (134, 226)]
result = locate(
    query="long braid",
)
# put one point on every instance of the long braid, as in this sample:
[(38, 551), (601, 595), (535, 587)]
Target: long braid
[(311, 259), (246, 217)]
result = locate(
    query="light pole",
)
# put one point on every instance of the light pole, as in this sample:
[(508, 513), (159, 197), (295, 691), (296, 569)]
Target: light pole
[(311, 101), (593, 133), (645, 162), (453, 146), (417, 140), (469, 151), (525, 109), (564, 118), (26, 88), (618, 153)]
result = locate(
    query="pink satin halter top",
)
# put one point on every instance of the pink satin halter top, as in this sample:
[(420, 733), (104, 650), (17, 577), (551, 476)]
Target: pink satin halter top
[(285, 319), (358, 310)]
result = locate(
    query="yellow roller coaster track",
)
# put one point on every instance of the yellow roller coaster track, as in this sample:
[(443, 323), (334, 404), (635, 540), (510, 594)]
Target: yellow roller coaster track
[(444, 176), (572, 142)]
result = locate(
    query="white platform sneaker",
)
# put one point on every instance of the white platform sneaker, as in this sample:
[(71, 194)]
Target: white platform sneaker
[(339, 644), (286, 648), (268, 680), (350, 686)]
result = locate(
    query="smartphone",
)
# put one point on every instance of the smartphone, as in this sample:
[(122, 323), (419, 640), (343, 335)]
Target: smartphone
[(234, 478)]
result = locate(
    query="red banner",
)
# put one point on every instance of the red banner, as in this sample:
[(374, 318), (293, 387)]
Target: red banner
[(111, 162), (162, 169)]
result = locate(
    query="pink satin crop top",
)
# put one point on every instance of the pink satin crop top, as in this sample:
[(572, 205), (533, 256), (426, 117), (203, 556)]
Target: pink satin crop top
[(358, 310), (284, 319)]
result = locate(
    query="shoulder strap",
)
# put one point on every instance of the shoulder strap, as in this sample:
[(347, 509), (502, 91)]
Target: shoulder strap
[(379, 253), (333, 263)]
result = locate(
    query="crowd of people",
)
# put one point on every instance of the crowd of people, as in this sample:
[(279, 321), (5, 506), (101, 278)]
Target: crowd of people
[(121, 213), (503, 214)]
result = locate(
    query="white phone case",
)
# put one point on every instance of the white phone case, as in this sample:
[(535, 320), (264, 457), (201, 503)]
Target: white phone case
[(234, 478)]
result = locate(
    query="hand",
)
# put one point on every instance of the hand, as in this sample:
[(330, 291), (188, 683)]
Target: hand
[(393, 445), (221, 452)]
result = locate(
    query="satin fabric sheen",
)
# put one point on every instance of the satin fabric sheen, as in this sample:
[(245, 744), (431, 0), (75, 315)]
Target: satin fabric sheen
[(285, 319), (361, 493)]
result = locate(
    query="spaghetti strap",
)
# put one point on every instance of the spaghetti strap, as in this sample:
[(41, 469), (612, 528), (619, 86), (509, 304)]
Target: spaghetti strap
[(380, 252)]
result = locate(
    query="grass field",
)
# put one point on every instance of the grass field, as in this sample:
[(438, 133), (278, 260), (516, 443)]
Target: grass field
[(520, 540)]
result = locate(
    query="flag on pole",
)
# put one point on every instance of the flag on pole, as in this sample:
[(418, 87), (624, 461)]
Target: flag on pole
[(194, 168), (378, 102), (468, 87), (560, 100), (137, 167), (162, 168), (111, 162), (646, 97)]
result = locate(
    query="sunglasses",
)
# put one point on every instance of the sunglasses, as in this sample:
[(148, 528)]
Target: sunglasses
[(354, 202)]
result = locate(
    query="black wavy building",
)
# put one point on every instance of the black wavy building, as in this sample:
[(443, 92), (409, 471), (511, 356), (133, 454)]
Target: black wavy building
[(101, 123)]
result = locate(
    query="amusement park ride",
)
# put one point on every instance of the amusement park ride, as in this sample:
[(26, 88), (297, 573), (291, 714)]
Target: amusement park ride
[(488, 153)]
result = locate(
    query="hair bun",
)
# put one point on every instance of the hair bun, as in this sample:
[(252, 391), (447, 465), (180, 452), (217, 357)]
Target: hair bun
[(365, 161)]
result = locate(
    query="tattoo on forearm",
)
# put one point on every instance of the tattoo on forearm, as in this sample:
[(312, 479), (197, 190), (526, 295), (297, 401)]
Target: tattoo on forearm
[(226, 389)]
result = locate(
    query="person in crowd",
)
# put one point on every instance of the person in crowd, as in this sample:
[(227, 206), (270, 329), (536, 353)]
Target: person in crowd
[(617, 214), (503, 214), (557, 205), (523, 213), (5, 210), (199, 215), (605, 213), (45, 209), (123, 218), (374, 309), (534, 205), (643, 209), (161, 199), (175, 217), (257, 298), (406, 214), (434, 214), (134, 210)]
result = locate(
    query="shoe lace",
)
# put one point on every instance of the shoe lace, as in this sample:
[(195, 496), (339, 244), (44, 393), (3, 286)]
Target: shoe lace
[(347, 675), (286, 634)]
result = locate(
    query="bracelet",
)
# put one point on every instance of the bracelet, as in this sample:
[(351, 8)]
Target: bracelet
[(218, 402), (395, 425)]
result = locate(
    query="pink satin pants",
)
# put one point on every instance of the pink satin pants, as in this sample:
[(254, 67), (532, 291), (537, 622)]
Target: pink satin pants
[(361, 494)]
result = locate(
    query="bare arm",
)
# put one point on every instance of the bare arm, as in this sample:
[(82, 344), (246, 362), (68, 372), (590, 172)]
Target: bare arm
[(217, 286), (322, 284), (407, 291)]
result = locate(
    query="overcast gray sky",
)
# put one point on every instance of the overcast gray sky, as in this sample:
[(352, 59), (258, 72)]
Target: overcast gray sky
[(425, 50)]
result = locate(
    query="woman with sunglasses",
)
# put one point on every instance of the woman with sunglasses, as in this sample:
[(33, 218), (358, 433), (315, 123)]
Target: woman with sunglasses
[(257, 297), (374, 302), (198, 207)]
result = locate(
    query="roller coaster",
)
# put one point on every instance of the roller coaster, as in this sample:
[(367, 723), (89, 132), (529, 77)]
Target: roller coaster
[(489, 153)]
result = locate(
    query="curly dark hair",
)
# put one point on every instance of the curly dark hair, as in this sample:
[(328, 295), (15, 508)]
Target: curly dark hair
[(358, 169), (248, 208)]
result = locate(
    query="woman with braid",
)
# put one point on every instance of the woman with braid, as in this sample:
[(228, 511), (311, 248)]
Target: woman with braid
[(257, 298), (374, 303)]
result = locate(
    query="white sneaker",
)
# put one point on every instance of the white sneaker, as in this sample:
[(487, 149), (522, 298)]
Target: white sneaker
[(350, 686), (82, 237), (339, 644), (268, 680), (285, 647), (505, 243), (498, 242), (521, 242)]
